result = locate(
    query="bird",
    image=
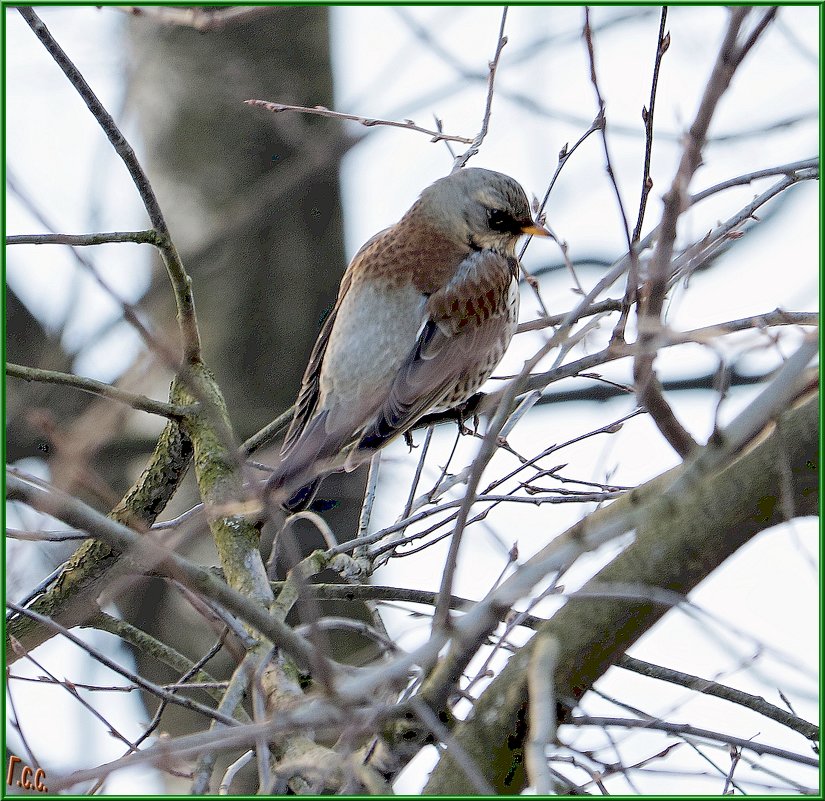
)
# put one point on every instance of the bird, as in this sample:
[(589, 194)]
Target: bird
[(425, 312)]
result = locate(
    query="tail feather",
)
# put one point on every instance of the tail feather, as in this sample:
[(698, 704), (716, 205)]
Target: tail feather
[(297, 478), (303, 498)]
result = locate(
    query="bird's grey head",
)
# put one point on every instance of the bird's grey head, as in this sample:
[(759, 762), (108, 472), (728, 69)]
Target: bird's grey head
[(483, 208)]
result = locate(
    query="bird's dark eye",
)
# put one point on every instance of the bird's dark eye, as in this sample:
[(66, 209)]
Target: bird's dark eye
[(502, 221)]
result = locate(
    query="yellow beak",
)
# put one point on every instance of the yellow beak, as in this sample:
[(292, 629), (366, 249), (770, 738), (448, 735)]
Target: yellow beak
[(535, 229)]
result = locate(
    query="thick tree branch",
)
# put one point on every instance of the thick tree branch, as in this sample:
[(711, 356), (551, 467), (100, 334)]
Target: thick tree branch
[(680, 540), (70, 600), (145, 554)]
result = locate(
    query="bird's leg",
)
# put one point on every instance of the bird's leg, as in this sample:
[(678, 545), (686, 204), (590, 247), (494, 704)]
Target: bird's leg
[(461, 411), (409, 440)]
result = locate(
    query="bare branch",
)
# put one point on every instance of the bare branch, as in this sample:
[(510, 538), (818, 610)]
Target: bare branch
[(647, 384), (129, 310), (44, 536), (149, 686), (717, 690), (647, 116), (587, 33), (796, 168), (475, 144), (122, 539), (715, 240), (564, 156), (321, 111), (268, 432), (684, 728), (632, 285), (177, 274), (149, 237), (99, 388)]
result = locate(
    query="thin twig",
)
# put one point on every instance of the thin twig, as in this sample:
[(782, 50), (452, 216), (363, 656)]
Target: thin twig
[(717, 690), (232, 771), (187, 318), (349, 624), (14, 722), (418, 470), (564, 156), (43, 583), (715, 241), (735, 756), (632, 249), (125, 688), (129, 310), (587, 33), (99, 388), (648, 388), (476, 143), (181, 682), (783, 169), (369, 495), (71, 688), (368, 122), (695, 731), (632, 287), (45, 536), (136, 678), (662, 46), (268, 432)]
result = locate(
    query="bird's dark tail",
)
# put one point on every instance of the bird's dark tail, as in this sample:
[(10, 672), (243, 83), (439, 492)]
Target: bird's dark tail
[(306, 462), (303, 498)]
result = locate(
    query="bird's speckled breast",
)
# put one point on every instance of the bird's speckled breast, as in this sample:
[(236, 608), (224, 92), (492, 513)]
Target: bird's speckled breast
[(411, 251), (497, 336)]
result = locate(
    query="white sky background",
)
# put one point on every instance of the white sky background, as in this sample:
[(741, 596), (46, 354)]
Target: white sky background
[(382, 69)]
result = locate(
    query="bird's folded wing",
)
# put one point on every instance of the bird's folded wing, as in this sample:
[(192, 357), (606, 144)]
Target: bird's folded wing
[(310, 384), (465, 323), (308, 396)]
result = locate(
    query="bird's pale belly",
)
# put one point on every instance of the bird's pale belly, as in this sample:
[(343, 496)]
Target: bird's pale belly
[(375, 331)]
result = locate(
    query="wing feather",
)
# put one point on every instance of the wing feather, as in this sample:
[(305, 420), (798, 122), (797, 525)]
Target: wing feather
[(307, 402), (467, 320)]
